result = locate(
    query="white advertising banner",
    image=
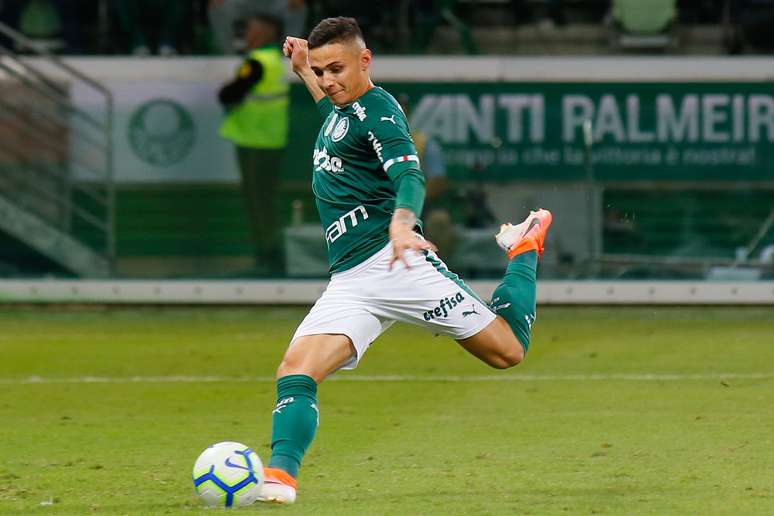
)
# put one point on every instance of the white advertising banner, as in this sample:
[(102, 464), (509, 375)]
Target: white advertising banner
[(164, 131)]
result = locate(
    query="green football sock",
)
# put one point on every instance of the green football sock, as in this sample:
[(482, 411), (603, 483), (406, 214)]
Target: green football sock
[(514, 298), (294, 421)]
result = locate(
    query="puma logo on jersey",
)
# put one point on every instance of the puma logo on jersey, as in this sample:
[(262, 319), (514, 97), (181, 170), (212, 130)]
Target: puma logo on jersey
[(326, 162), (388, 119)]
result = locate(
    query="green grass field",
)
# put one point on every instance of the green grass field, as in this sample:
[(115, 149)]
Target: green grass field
[(615, 411)]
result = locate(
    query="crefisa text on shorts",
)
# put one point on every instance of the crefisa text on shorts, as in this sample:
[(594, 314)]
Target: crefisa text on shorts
[(445, 306)]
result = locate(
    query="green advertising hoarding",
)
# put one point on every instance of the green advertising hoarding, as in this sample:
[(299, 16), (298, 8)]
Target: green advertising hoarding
[(615, 132)]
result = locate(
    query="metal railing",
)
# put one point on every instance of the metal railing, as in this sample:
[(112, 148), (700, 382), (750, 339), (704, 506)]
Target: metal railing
[(56, 155)]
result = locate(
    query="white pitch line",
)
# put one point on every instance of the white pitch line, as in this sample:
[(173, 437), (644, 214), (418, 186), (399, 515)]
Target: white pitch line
[(635, 377)]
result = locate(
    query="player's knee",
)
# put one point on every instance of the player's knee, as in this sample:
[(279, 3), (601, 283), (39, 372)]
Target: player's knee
[(292, 363), (508, 357)]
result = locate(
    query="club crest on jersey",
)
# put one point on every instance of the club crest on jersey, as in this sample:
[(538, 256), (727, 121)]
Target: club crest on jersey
[(360, 111), (329, 127), (341, 129), (326, 162)]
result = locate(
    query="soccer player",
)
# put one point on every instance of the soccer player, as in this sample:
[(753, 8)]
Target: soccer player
[(369, 189)]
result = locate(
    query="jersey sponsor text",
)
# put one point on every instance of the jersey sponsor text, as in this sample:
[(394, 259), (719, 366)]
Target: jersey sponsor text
[(326, 162), (377, 145), (360, 111), (340, 227)]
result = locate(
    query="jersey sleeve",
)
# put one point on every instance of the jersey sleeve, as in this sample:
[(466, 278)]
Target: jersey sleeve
[(389, 136), (392, 143)]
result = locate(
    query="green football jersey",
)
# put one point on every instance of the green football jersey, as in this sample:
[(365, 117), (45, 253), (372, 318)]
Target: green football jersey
[(358, 149)]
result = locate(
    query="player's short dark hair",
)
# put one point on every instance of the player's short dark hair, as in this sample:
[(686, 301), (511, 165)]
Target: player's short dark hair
[(334, 30)]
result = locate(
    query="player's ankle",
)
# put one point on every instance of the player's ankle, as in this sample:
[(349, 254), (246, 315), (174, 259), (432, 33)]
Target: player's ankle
[(525, 246)]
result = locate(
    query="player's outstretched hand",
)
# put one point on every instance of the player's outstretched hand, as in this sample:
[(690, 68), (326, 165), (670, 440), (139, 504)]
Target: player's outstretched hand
[(404, 239), (297, 50)]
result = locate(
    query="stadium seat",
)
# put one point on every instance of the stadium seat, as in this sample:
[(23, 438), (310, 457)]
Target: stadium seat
[(432, 13), (643, 23), (747, 26)]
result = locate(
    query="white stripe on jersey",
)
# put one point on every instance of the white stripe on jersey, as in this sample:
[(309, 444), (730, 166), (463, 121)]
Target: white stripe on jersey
[(391, 162)]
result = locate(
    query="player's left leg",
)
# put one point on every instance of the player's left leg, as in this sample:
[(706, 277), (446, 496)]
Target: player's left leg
[(505, 340)]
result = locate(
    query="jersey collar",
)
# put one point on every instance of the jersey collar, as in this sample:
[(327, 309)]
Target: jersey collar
[(348, 109)]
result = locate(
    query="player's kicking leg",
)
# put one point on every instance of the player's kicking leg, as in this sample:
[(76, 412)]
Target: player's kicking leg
[(504, 342)]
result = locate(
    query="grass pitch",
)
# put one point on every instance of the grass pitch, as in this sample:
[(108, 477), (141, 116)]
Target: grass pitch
[(615, 411)]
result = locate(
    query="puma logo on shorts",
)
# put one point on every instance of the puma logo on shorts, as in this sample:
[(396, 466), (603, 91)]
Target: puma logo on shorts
[(470, 312)]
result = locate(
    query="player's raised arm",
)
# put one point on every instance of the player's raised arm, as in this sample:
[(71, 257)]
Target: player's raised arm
[(298, 51)]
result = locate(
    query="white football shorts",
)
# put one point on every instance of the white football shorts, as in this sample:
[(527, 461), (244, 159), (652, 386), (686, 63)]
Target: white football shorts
[(362, 302)]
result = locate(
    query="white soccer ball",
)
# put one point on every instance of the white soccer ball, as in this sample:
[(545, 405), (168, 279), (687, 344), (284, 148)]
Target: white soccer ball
[(228, 474)]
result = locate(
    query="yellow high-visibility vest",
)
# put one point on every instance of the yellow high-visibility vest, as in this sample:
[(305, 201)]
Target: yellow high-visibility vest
[(261, 119)]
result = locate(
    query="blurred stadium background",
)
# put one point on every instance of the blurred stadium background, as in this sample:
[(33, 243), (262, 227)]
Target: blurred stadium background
[(647, 127)]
